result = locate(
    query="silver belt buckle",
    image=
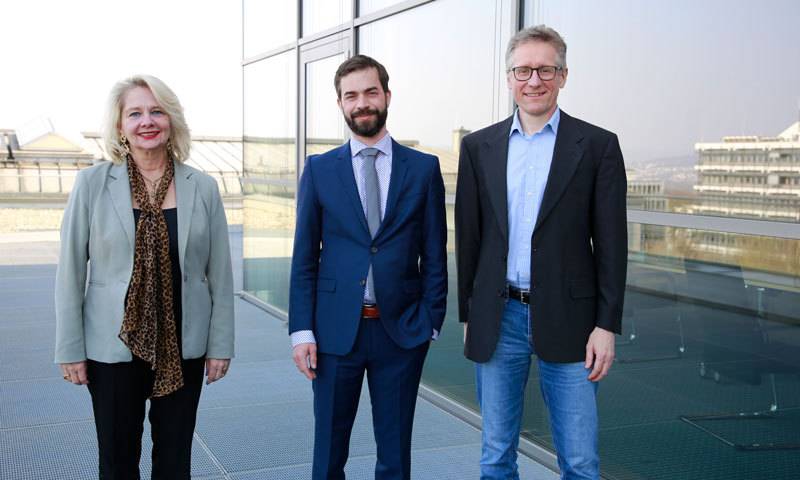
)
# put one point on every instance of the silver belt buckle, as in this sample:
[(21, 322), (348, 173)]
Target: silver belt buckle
[(522, 297)]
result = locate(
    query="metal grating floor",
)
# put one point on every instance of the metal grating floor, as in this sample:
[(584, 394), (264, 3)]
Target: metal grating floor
[(255, 424)]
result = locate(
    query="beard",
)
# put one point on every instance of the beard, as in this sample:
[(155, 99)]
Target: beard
[(368, 128)]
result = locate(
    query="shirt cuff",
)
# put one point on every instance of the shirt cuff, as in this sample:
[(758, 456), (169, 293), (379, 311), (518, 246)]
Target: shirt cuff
[(435, 335), (302, 336)]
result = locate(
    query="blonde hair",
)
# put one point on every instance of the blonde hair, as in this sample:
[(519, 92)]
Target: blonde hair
[(179, 132)]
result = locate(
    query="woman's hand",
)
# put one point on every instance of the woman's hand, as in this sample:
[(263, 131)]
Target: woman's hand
[(75, 373), (216, 368)]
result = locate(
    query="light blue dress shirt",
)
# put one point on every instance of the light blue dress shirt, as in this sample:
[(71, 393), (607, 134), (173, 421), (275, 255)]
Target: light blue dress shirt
[(528, 165), (383, 167)]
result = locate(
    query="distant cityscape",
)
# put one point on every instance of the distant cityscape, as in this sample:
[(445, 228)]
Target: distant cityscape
[(739, 176)]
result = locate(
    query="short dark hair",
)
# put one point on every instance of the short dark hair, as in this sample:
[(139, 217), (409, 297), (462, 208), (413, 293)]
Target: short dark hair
[(356, 63)]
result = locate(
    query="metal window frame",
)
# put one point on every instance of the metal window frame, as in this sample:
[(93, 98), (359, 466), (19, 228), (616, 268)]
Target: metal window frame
[(742, 226)]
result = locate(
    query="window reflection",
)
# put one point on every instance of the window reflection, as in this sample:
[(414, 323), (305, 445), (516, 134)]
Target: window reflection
[(269, 185), (712, 335), (368, 6), (325, 127), (319, 15), (267, 25), (438, 96)]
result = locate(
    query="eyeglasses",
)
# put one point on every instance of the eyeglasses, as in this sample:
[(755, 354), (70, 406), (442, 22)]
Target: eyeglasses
[(545, 73)]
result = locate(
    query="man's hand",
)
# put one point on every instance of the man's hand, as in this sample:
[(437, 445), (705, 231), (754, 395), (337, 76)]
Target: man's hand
[(600, 351), (465, 332), (305, 354)]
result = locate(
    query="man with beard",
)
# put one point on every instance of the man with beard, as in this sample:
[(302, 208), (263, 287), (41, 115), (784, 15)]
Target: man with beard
[(368, 278)]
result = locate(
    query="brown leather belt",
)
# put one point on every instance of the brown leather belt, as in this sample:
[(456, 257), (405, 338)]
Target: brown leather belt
[(369, 311), (522, 296)]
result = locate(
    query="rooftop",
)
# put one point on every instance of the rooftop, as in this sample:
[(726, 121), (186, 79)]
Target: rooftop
[(215, 155), (257, 423)]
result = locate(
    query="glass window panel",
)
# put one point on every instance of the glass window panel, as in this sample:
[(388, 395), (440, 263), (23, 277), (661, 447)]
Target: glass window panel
[(442, 80), (319, 15), (668, 78), (270, 117), (711, 327), (269, 186), (369, 6), (268, 24), (268, 235), (437, 96), (325, 127)]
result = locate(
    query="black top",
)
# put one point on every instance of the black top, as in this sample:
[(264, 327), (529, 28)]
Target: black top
[(171, 216)]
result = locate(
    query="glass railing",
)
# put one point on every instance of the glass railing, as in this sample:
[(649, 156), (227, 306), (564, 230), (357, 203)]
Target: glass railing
[(706, 379)]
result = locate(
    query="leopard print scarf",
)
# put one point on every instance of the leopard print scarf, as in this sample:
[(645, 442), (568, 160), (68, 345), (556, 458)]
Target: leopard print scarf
[(148, 327)]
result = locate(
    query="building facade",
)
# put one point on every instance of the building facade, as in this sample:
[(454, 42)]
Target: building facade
[(711, 334), (751, 176)]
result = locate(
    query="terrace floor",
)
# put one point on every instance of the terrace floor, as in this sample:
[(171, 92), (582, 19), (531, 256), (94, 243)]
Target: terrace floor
[(257, 423)]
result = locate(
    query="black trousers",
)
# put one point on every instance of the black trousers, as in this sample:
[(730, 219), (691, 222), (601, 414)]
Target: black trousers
[(119, 392)]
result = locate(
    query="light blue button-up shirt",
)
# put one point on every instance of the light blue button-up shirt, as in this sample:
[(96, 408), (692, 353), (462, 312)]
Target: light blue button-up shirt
[(383, 167), (528, 165)]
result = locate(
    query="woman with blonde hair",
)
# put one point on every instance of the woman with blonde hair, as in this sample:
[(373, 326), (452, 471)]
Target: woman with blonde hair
[(150, 234)]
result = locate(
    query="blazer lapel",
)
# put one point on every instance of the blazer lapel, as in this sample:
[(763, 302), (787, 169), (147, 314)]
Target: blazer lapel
[(345, 168), (184, 193), (119, 188), (566, 157), (396, 179), (495, 169)]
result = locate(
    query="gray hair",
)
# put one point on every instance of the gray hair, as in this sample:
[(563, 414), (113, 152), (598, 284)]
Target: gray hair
[(538, 33), (166, 98)]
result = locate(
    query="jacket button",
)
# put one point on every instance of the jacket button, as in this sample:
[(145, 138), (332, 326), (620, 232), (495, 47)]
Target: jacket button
[(503, 258), (374, 249), (363, 282), (185, 277), (501, 293)]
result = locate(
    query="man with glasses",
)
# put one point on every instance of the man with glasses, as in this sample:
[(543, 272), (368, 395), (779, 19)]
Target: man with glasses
[(541, 252)]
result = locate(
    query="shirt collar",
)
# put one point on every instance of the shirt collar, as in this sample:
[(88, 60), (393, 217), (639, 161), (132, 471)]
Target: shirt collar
[(384, 145), (555, 118)]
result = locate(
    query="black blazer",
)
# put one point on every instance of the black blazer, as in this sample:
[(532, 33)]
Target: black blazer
[(578, 249)]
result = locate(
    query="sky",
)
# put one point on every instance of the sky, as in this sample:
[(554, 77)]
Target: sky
[(663, 75), (666, 74), (61, 58)]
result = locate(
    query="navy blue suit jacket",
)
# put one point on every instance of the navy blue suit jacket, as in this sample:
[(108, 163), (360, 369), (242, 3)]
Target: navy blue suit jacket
[(333, 250)]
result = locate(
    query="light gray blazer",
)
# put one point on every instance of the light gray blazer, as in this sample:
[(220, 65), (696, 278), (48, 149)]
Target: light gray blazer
[(97, 239)]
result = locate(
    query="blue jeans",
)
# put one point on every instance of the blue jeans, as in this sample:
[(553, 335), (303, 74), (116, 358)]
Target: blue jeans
[(567, 392)]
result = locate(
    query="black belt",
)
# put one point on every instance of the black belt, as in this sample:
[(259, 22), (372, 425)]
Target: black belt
[(522, 296)]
